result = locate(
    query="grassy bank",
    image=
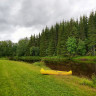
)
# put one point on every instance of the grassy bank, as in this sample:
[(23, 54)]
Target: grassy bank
[(24, 79), (26, 58), (85, 59), (55, 59), (80, 65)]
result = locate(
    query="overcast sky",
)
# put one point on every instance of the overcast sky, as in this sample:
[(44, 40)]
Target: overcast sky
[(23, 18)]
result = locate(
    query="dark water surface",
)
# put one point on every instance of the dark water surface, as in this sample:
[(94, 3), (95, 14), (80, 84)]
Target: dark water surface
[(78, 69)]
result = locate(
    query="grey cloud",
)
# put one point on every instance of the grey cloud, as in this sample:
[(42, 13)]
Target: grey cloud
[(34, 12), (39, 13)]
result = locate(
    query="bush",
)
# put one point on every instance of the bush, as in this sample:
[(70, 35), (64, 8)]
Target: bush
[(71, 45), (41, 64), (87, 83), (94, 79), (90, 83), (55, 59), (26, 58)]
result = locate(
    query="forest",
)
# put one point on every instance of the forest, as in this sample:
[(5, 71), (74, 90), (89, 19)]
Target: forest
[(67, 38)]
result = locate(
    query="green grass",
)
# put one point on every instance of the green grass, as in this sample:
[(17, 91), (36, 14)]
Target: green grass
[(55, 59), (85, 59), (3, 58), (26, 58), (24, 79), (79, 59)]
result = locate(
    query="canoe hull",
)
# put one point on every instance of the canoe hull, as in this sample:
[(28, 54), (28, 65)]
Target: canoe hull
[(53, 72)]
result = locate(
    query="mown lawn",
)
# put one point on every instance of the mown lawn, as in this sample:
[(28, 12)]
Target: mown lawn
[(23, 79)]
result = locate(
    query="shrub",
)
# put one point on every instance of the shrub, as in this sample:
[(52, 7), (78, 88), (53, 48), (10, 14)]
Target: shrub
[(41, 64), (71, 45), (26, 58), (90, 83), (94, 79), (87, 82)]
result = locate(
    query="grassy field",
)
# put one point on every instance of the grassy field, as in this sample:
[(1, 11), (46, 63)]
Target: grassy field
[(86, 57), (23, 79)]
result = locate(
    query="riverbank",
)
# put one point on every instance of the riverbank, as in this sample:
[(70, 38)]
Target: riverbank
[(80, 65)]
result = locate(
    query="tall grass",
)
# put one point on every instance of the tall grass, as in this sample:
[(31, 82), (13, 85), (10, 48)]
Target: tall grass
[(89, 83)]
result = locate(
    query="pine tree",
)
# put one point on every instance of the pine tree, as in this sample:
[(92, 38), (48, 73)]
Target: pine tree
[(81, 49), (83, 28), (61, 46), (44, 42), (30, 44), (92, 33), (51, 48)]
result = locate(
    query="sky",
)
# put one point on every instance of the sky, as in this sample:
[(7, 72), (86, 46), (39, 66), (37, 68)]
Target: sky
[(23, 18)]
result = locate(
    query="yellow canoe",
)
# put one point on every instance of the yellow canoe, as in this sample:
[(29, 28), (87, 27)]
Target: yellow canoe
[(54, 72)]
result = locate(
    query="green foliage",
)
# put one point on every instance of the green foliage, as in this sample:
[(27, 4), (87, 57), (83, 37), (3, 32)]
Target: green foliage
[(22, 47), (71, 45), (83, 28), (62, 37), (81, 49), (86, 60), (44, 41), (89, 83), (51, 49), (34, 51), (86, 57), (3, 58), (92, 32), (40, 64), (94, 79), (55, 59), (26, 58), (7, 48)]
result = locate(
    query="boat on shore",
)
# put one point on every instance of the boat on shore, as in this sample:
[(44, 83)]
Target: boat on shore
[(54, 72)]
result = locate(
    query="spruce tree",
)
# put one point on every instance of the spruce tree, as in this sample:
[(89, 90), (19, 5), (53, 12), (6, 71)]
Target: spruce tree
[(92, 33), (61, 46)]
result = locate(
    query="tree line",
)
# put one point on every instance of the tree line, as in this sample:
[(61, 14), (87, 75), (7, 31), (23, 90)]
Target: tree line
[(73, 37)]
